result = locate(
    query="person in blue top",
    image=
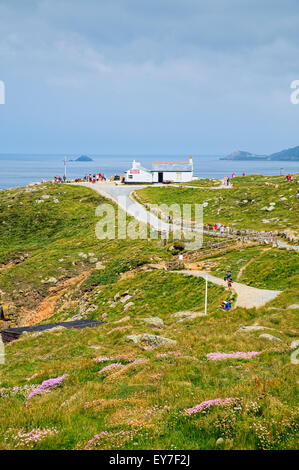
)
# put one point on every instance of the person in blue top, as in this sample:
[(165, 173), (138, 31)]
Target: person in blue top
[(227, 305)]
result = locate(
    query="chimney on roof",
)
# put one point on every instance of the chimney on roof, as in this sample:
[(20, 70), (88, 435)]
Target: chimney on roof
[(191, 161)]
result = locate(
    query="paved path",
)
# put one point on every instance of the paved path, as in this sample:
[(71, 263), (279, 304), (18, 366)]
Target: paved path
[(248, 297), (285, 245), (121, 195)]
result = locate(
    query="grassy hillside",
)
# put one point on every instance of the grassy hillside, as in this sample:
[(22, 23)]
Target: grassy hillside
[(204, 182), (43, 244), (141, 402), (257, 266), (241, 206)]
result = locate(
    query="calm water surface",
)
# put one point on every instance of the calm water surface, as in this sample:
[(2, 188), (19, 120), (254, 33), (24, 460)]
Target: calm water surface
[(19, 170)]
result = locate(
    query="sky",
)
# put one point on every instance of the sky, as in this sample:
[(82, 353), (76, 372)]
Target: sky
[(148, 77)]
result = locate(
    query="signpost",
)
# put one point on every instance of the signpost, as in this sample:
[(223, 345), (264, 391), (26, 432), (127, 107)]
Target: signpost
[(65, 162), (206, 296)]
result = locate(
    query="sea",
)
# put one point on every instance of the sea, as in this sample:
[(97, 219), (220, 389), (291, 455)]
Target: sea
[(22, 169)]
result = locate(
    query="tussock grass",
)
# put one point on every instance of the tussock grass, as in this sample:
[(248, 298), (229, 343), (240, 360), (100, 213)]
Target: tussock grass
[(149, 397), (240, 206)]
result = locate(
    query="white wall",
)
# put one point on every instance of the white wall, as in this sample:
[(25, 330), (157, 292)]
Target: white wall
[(176, 177), (141, 177)]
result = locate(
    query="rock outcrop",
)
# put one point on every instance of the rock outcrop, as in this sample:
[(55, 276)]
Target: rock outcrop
[(149, 341)]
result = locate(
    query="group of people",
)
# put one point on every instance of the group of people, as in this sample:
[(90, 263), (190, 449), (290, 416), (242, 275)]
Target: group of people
[(59, 179), (215, 227), (227, 304), (226, 179), (88, 177), (290, 178), (95, 177)]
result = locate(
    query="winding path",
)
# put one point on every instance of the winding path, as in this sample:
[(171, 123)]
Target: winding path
[(121, 195), (247, 296)]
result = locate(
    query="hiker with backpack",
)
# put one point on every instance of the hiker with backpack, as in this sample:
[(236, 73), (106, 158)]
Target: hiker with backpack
[(228, 278)]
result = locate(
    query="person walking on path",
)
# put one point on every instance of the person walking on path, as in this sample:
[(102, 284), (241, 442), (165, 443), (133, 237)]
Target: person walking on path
[(228, 278)]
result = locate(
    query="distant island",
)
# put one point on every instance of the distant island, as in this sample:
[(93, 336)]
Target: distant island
[(241, 155), (291, 154), (84, 158)]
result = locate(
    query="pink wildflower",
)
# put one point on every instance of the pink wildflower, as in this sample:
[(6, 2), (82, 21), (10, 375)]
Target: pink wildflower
[(237, 355), (47, 385), (102, 359), (205, 405), (111, 366)]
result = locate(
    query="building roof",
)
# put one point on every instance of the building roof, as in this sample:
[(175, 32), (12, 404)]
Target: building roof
[(172, 166)]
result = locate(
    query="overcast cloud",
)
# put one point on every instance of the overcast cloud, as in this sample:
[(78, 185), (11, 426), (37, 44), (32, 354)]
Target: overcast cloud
[(140, 76)]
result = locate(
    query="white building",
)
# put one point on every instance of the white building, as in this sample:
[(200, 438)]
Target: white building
[(161, 172)]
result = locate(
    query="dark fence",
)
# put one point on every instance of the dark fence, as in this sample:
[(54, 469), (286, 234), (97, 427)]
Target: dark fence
[(10, 334)]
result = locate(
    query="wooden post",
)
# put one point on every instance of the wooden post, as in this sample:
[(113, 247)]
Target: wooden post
[(206, 295)]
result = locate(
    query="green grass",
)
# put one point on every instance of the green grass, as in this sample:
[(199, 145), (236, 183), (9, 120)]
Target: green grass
[(206, 182), (148, 398), (88, 403), (54, 235), (263, 268), (240, 206)]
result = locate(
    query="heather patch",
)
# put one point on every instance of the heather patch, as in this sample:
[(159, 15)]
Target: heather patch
[(110, 367), (108, 440), (29, 439), (237, 355), (47, 386), (204, 406), (22, 390)]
